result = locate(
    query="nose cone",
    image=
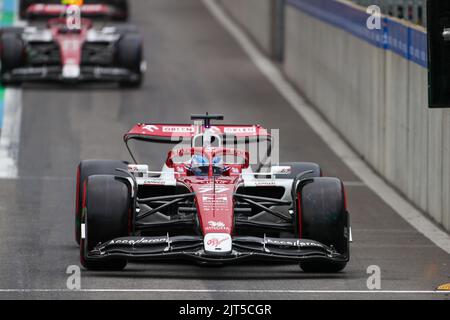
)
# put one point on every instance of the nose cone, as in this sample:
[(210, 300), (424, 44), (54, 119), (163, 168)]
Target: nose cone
[(215, 204), (71, 71), (218, 243)]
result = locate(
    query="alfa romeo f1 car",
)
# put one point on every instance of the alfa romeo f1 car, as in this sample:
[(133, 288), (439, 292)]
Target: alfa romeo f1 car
[(114, 9), (59, 53), (211, 203)]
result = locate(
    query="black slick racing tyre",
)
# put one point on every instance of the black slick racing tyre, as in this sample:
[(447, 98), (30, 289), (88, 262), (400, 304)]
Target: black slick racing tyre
[(11, 55), (322, 216), (130, 53), (85, 170), (108, 206), (23, 6)]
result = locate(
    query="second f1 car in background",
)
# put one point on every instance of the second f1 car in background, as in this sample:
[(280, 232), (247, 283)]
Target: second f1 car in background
[(59, 53)]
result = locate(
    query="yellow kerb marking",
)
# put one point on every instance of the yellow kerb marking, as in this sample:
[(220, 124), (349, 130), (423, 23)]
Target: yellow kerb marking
[(444, 287)]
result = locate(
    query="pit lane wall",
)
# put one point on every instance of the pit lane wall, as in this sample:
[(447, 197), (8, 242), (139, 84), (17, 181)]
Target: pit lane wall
[(372, 87), (257, 18)]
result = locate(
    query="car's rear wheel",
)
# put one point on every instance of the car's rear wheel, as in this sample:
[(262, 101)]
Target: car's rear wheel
[(130, 51), (12, 55), (124, 28), (121, 5), (106, 217), (321, 215), (23, 6), (84, 171)]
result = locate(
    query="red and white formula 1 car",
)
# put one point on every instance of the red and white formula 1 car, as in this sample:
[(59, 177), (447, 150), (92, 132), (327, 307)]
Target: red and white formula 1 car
[(71, 54), (113, 9), (211, 203)]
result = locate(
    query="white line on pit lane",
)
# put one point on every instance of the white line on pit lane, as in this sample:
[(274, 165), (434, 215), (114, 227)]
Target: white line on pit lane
[(329, 135), (12, 120), (225, 291), (9, 139)]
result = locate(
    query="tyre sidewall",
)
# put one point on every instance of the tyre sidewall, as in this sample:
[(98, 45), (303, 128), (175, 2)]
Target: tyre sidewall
[(12, 52), (322, 214), (107, 216), (130, 52), (84, 171)]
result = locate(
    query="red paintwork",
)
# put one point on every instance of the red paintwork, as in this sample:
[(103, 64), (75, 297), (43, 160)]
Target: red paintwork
[(70, 43), (215, 202), (189, 131), (214, 194)]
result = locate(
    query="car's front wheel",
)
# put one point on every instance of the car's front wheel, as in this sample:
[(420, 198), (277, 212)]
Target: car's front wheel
[(86, 169), (130, 55), (12, 55), (106, 216), (322, 216)]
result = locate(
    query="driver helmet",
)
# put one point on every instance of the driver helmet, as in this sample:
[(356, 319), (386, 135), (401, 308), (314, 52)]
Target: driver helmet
[(217, 161), (218, 165), (199, 161), (199, 165)]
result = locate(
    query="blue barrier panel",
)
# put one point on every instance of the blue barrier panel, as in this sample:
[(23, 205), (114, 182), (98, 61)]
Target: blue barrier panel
[(341, 16), (398, 38), (418, 47), (405, 41)]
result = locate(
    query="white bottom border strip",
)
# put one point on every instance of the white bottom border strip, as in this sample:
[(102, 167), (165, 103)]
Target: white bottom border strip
[(226, 291)]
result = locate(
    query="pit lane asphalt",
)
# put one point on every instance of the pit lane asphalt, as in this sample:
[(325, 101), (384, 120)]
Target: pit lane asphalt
[(194, 66)]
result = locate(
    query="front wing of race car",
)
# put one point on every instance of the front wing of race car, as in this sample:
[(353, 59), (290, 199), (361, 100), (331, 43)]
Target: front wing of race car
[(64, 74), (198, 249)]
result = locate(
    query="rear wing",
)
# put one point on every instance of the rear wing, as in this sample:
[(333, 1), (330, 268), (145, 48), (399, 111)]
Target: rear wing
[(86, 10), (205, 135), (175, 133), (188, 135)]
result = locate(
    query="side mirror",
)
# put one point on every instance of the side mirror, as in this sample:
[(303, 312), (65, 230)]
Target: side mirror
[(138, 170), (281, 170), (438, 53)]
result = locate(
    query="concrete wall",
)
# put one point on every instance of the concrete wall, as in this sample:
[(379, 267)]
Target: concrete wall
[(256, 17), (377, 99)]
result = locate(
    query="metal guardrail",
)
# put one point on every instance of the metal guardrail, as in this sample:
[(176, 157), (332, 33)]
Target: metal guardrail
[(411, 10)]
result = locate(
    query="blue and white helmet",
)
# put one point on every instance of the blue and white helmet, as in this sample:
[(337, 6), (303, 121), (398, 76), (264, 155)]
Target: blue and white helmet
[(199, 161)]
